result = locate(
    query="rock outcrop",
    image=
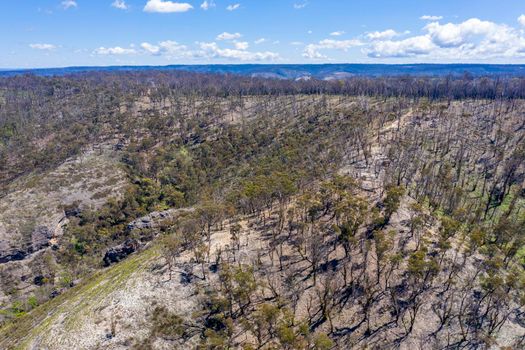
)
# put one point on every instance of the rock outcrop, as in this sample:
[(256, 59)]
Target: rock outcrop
[(155, 219), (121, 251), (13, 254), (43, 207), (148, 222), (41, 237)]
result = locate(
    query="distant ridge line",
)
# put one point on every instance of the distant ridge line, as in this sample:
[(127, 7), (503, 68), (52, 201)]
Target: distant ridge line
[(300, 71)]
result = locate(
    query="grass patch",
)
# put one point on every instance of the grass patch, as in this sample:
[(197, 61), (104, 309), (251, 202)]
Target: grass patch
[(73, 305)]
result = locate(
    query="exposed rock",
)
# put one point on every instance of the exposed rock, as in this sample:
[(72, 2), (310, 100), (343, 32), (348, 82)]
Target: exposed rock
[(121, 144), (43, 207), (39, 280), (41, 237), (118, 253), (154, 219), (151, 221), (12, 255), (72, 211)]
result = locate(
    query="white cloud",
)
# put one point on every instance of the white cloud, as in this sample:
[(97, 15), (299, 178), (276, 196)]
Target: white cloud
[(206, 5), (418, 45), (212, 50), (233, 7), (453, 35), (259, 41), (471, 40), (173, 50), (150, 48), (114, 51), (68, 4), (120, 4), (297, 43), (312, 51), (301, 5), (47, 47), (430, 18), (162, 6), (339, 44), (521, 20), (169, 48), (241, 45), (337, 33), (228, 36), (386, 34)]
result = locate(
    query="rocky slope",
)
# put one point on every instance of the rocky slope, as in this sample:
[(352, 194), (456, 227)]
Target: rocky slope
[(235, 213), (116, 308), (119, 307), (38, 206)]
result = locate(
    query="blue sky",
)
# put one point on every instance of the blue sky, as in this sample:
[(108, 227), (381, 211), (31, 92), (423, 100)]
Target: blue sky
[(57, 33)]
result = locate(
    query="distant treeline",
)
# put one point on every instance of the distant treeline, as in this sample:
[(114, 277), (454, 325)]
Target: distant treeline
[(211, 84)]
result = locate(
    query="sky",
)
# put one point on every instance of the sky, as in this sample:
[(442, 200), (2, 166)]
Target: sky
[(61, 33)]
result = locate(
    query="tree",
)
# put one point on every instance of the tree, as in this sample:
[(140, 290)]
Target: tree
[(392, 200), (171, 247)]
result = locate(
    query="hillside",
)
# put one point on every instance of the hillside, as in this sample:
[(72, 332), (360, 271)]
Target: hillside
[(178, 210)]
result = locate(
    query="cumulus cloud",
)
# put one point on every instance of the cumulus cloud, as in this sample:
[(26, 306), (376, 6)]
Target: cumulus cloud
[(472, 30), (521, 20), (337, 33), (430, 18), (386, 34), (207, 5), (313, 51), (233, 7), (259, 41), (120, 4), (152, 49), (47, 47), (241, 45), (117, 50), (228, 36), (66, 4), (168, 48), (472, 39), (212, 50), (162, 6), (418, 45)]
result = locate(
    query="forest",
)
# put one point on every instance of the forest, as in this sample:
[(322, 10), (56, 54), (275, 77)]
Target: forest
[(211, 211)]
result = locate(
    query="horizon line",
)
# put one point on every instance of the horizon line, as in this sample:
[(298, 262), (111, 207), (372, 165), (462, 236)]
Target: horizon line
[(261, 64)]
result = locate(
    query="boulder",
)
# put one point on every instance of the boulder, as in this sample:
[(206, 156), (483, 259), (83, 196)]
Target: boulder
[(72, 211), (39, 280), (120, 252)]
